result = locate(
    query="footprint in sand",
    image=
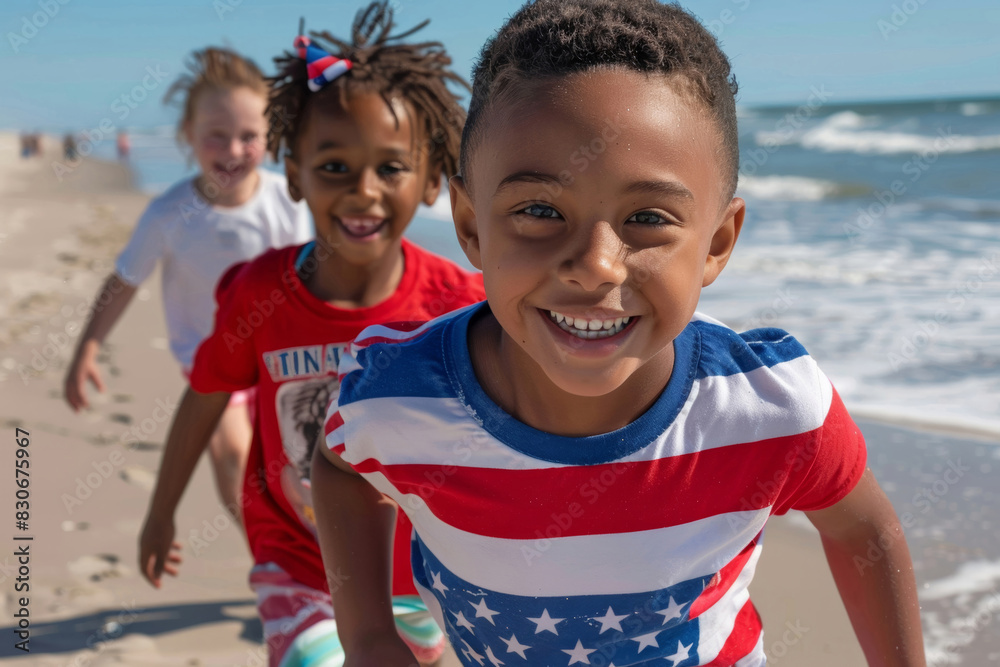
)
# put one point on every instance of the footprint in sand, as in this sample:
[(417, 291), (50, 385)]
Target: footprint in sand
[(140, 477), (146, 446), (120, 418), (122, 398), (97, 568)]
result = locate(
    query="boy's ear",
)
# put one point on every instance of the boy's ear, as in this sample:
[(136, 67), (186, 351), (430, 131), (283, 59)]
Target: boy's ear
[(292, 174), (433, 186), (724, 240), (465, 221)]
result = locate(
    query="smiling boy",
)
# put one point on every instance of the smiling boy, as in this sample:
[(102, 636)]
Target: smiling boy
[(589, 464)]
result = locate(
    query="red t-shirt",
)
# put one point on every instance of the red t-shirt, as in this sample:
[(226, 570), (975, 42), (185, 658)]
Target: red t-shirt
[(273, 333)]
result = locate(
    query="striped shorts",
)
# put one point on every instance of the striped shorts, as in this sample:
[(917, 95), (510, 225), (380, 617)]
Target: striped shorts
[(299, 628)]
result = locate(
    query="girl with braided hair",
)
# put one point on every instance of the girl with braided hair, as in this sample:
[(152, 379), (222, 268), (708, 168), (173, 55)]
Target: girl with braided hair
[(367, 128)]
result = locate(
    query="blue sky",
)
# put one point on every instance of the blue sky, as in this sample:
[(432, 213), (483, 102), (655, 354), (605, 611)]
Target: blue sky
[(69, 72)]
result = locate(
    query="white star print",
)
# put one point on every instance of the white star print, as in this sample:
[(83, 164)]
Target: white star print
[(546, 622), (471, 653), (579, 654), (489, 654), (438, 585), (463, 622), (672, 611), (681, 655), (610, 621), (482, 611), (514, 646), (647, 640)]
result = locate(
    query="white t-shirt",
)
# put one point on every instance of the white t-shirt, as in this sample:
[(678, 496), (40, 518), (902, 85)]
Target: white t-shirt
[(198, 242)]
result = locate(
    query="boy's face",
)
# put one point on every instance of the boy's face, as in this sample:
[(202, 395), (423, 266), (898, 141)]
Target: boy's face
[(598, 197), (361, 174)]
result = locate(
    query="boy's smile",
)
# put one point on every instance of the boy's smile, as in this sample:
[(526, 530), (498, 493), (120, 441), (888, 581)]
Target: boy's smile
[(594, 244)]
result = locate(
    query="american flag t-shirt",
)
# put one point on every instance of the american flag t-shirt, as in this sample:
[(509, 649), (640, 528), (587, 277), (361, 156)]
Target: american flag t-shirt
[(628, 548)]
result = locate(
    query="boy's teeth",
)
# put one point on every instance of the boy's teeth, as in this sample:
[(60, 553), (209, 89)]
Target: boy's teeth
[(361, 225), (588, 329)]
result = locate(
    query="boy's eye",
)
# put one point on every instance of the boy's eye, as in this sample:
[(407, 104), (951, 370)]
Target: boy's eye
[(392, 169), (540, 211), (334, 167), (647, 218), (250, 138)]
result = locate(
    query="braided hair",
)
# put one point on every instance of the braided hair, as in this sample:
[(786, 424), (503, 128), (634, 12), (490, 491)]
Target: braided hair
[(417, 73), (552, 38)]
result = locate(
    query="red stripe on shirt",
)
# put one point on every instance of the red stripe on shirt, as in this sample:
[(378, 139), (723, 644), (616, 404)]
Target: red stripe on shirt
[(599, 499), (743, 638), (722, 581)]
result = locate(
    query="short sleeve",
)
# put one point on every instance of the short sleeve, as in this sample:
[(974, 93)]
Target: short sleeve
[(828, 465), (146, 246), (226, 360)]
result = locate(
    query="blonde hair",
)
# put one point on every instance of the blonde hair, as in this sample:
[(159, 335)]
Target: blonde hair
[(214, 69)]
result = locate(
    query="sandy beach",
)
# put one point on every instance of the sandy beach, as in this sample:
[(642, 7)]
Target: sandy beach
[(91, 473)]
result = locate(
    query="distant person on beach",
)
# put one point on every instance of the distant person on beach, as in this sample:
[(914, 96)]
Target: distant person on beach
[(367, 126), (69, 146), (587, 462), (25, 142), (232, 211), (123, 144)]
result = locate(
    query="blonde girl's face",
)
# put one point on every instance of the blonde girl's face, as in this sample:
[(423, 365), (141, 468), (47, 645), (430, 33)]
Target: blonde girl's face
[(227, 135)]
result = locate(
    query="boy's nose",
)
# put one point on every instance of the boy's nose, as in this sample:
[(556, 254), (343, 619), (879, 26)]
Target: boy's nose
[(597, 258), (367, 185)]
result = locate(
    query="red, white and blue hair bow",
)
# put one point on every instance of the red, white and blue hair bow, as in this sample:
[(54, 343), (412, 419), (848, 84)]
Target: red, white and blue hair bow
[(322, 67)]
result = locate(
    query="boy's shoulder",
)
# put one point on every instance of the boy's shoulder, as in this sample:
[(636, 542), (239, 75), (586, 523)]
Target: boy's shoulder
[(401, 359), (725, 351), (272, 269), (757, 373)]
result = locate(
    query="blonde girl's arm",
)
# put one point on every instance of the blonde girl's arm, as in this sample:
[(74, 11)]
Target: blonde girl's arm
[(356, 523), (876, 585), (107, 308)]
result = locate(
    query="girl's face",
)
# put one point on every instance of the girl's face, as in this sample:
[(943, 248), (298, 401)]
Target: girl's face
[(227, 134), (362, 171)]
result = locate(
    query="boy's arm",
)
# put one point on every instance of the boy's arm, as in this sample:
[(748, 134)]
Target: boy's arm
[(880, 594), (355, 523), (196, 419), (109, 304)]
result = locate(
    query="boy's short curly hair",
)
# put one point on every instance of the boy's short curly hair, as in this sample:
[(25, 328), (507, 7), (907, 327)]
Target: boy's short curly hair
[(417, 73), (551, 38)]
